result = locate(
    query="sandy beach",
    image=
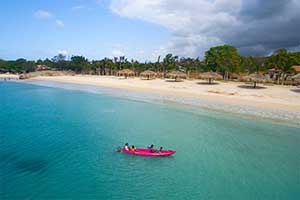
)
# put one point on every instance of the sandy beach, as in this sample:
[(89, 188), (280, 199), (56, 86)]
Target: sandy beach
[(9, 76), (285, 98)]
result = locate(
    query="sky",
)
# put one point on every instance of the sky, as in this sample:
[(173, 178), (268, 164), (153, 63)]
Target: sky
[(145, 29)]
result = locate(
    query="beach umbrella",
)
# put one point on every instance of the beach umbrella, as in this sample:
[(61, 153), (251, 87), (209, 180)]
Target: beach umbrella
[(148, 74), (210, 76), (126, 73), (177, 75), (255, 78), (234, 76)]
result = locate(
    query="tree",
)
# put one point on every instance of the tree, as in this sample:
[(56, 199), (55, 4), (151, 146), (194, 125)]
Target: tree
[(22, 65), (59, 62), (283, 60), (223, 59), (80, 64), (169, 63), (48, 63), (249, 65), (59, 57)]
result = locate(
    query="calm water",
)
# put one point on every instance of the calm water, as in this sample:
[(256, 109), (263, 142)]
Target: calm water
[(59, 144)]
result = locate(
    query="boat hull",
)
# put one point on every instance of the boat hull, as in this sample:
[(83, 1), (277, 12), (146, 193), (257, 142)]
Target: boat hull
[(147, 152)]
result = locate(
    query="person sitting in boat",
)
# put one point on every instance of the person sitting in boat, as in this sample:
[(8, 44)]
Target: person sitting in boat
[(126, 147), (151, 148), (132, 148), (160, 149)]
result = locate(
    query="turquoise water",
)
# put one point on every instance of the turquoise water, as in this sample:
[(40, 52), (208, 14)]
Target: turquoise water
[(59, 144)]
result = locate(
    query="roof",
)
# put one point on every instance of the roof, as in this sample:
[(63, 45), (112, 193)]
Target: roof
[(126, 72), (148, 73), (210, 75), (296, 68), (255, 77)]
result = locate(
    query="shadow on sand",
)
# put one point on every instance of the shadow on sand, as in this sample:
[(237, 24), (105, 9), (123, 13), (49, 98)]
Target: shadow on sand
[(251, 87), (174, 81), (207, 83), (296, 90), (123, 78), (145, 79)]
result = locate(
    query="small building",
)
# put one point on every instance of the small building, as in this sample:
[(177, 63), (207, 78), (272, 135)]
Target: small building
[(296, 69), (41, 67)]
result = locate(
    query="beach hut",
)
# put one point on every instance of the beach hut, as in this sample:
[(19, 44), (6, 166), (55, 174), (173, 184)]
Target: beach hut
[(210, 76), (148, 74), (126, 73), (255, 78), (176, 75), (41, 67), (296, 69)]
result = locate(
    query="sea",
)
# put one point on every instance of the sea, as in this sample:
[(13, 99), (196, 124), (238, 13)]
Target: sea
[(59, 141)]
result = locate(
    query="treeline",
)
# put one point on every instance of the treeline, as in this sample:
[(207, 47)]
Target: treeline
[(223, 59)]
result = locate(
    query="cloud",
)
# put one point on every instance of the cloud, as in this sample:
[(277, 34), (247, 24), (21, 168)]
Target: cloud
[(63, 52), (117, 53), (256, 27), (42, 14), (59, 23)]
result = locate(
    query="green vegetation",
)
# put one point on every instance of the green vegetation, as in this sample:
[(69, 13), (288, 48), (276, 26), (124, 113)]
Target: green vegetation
[(17, 66), (222, 59)]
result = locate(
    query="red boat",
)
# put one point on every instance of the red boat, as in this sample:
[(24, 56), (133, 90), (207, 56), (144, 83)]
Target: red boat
[(147, 152)]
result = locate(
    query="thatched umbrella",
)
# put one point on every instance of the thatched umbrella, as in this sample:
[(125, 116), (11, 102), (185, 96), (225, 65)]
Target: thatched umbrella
[(255, 78), (148, 74), (126, 73), (234, 76), (177, 75), (210, 76)]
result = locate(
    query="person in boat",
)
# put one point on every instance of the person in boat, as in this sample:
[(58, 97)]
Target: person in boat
[(132, 148), (151, 148), (126, 147), (160, 149)]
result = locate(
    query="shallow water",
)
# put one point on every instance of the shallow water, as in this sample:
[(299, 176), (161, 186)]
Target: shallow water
[(60, 144), (242, 110)]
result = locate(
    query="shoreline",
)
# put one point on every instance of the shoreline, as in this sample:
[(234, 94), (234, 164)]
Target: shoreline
[(9, 76), (229, 92), (284, 105)]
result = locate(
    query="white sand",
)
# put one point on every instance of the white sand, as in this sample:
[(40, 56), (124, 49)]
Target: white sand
[(284, 98), (12, 76)]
